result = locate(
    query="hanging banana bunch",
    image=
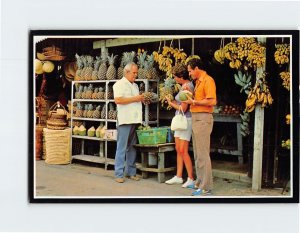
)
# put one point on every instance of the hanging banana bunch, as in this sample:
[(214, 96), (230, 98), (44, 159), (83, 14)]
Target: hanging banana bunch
[(259, 94), (243, 80), (282, 54), (245, 52), (285, 76), (245, 131), (168, 58)]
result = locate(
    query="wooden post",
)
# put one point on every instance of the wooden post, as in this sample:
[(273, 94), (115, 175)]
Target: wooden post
[(258, 137)]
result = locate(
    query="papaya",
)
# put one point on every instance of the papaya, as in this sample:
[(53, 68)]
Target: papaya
[(183, 95)]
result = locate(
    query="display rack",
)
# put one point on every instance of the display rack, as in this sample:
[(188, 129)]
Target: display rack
[(106, 154)]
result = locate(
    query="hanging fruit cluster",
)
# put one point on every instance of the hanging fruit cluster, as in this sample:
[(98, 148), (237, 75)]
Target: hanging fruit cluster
[(244, 53), (168, 57), (285, 76), (282, 54), (166, 60), (259, 94), (41, 67)]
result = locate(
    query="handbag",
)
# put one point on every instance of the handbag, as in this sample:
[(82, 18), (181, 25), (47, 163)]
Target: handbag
[(179, 121)]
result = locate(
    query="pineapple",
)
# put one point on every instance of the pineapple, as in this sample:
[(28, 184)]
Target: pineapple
[(141, 62), (110, 93), (89, 91), (103, 67), (90, 111), (112, 113), (84, 92), (142, 88), (96, 68), (84, 61), (103, 112), (111, 71), (121, 67), (78, 112), (89, 69), (101, 93), (150, 72), (79, 67), (150, 97), (77, 92), (97, 112), (95, 93), (86, 106)]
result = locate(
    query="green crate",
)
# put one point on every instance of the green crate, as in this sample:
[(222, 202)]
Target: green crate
[(152, 136)]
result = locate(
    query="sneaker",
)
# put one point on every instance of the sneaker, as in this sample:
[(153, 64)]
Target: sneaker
[(135, 178), (175, 180), (188, 182), (192, 186), (120, 180), (201, 192)]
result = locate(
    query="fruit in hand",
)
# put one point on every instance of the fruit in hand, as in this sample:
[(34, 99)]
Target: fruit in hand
[(183, 95)]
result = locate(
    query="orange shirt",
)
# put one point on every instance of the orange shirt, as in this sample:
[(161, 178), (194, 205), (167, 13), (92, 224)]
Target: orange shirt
[(205, 89)]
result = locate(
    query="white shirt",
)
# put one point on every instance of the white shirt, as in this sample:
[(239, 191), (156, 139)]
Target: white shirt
[(128, 113)]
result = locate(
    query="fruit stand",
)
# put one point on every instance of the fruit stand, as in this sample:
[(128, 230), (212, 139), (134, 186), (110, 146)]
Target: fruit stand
[(238, 67)]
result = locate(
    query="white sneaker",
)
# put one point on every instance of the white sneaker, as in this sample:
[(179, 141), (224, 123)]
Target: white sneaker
[(175, 180), (188, 182)]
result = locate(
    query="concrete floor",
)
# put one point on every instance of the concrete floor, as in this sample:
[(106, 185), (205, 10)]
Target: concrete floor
[(76, 180)]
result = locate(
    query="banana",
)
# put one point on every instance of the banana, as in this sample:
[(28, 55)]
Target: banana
[(270, 99), (250, 109)]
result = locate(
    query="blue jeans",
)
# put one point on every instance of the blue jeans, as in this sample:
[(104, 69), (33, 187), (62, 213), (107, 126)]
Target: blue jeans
[(126, 153)]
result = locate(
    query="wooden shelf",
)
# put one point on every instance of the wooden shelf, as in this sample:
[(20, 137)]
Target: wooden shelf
[(88, 119), (89, 100), (89, 158), (88, 138)]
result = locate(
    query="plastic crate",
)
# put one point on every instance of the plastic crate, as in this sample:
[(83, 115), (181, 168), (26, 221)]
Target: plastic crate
[(152, 136)]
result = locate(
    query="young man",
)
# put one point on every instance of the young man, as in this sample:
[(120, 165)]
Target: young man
[(201, 108), (129, 107)]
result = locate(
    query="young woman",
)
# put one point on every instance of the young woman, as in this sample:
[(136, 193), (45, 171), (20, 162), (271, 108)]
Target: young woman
[(182, 138)]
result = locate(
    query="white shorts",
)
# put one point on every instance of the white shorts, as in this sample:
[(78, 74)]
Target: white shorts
[(185, 134)]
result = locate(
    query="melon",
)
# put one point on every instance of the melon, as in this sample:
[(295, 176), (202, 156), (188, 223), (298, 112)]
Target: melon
[(183, 95), (38, 66), (48, 66)]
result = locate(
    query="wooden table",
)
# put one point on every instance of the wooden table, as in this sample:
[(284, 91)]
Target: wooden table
[(159, 150)]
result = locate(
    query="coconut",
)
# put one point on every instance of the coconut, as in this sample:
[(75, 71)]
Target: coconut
[(82, 130), (102, 132), (91, 131), (98, 130), (48, 66), (75, 130), (183, 95)]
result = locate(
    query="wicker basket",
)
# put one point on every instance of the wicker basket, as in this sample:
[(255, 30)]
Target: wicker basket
[(57, 146), (57, 117)]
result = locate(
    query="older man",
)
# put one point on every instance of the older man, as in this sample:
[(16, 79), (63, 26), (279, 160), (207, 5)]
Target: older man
[(129, 107)]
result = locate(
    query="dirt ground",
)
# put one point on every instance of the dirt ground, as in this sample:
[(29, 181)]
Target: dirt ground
[(74, 180)]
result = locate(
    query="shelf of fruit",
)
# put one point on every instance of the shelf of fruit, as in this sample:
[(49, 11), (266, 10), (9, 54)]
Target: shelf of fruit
[(93, 105), (87, 137)]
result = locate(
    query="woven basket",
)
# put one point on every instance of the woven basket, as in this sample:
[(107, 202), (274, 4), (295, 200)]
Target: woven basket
[(57, 144), (57, 117)]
